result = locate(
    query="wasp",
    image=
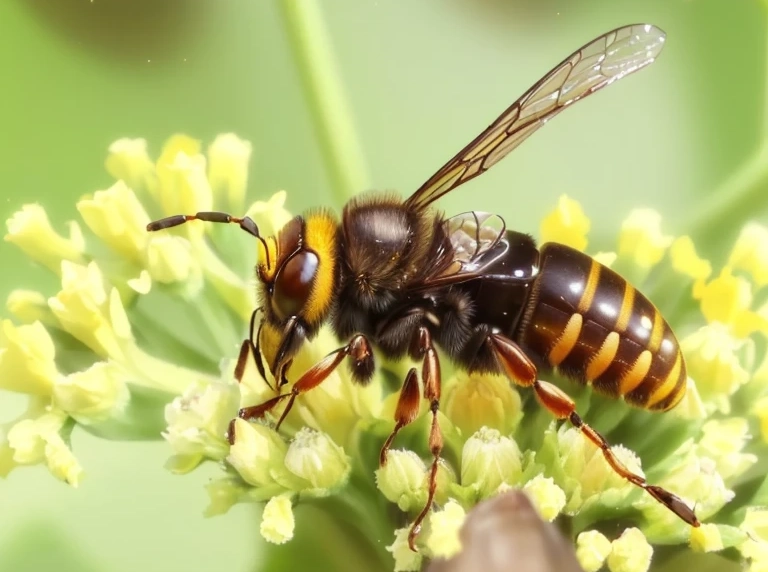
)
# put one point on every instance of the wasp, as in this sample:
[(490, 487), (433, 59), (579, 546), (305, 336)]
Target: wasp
[(397, 277)]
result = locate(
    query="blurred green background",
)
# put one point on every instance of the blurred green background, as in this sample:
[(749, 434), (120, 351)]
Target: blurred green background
[(422, 79)]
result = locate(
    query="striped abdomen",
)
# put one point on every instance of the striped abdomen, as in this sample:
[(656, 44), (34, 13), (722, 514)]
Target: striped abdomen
[(590, 324)]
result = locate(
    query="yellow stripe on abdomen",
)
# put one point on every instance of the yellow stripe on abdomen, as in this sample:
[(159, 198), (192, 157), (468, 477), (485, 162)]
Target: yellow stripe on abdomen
[(663, 390), (636, 374), (625, 312), (603, 358), (566, 341), (590, 287)]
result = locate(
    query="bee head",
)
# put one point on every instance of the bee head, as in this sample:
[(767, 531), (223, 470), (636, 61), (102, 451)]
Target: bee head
[(296, 272)]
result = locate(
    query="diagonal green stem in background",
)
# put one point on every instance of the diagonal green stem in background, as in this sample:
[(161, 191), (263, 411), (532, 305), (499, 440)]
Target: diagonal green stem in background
[(742, 196), (340, 146)]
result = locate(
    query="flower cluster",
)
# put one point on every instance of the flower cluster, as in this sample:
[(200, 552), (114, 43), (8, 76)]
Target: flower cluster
[(79, 355), (146, 323)]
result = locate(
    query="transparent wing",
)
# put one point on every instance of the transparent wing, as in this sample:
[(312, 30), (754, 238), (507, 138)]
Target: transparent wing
[(477, 241), (599, 63), (473, 236)]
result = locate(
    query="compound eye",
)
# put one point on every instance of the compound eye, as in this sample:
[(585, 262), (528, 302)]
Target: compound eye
[(293, 284)]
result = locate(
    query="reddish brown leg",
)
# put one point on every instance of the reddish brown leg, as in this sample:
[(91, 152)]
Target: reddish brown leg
[(430, 373), (358, 349), (563, 407), (252, 345), (406, 411)]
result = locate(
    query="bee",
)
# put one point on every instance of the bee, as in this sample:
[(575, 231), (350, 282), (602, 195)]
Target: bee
[(398, 277)]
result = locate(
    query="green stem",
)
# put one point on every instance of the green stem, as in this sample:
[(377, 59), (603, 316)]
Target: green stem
[(740, 197), (330, 110), (765, 75)]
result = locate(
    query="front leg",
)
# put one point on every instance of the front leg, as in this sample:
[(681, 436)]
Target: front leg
[(362, 368), (251, 346)]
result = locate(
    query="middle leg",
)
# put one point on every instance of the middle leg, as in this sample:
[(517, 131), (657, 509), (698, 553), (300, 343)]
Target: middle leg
[(408, 408)]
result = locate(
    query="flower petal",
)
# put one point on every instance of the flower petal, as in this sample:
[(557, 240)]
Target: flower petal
[(228, 158), (630, 552), (750, 253), (118, 218), (277, 521), (27, 359), (567, 224), (31, 231), (444, 525), (685, 260), (641, 239)]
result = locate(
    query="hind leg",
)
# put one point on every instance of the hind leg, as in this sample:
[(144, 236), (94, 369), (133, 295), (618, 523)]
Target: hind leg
[(522, 372)]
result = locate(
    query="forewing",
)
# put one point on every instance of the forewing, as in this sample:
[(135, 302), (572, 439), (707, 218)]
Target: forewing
[(602, 61)]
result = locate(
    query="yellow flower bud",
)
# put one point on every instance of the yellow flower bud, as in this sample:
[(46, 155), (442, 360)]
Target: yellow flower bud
[(567, 224), (713, 359), (38, 440), (277, 521), (547, 497), (27, 359), (750, 253), (258, 453), (175, 144), (223, 495), (270, 215), (589, 474), (755, 547), (756, 522), (228, 158), (94, 394), (756, 553), (444, 525), (29, 306), (118, 218), (402, 479), (722, 441), (406, 560), (184, 186), (198, 420), (170, 260), (606, 258), (27, 437), (727, 300), (488, 460), (706, 538), (314, 457), (142, 284), (474, 401), (630, 552), (686, 261), (61, 462), (86, 311), (641, 239), (31, 231), (592, 548), (129, 161)]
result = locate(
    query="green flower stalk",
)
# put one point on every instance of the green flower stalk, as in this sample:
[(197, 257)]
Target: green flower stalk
[(142, 338)]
